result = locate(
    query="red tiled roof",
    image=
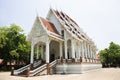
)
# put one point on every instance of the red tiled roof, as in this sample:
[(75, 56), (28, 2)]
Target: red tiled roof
[(50, 26), (63, 14), (70, 23), (72, 20)]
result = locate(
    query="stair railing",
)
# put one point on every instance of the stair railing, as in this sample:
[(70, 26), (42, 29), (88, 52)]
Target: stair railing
[(37, 70), (20, 70), (53, 63)]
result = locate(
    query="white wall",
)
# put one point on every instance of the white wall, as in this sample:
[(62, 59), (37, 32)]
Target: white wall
[(54, 20)]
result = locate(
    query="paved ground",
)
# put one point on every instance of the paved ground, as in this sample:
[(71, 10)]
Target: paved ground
[(102, 74)]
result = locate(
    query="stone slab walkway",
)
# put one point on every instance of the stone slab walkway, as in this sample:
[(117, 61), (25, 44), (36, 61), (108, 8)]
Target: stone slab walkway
[(101, 74)]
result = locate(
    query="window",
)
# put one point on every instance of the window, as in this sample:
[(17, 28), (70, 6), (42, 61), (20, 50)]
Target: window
[(83, 36), (73, 32), (71, 25), (66, 24), (78, 32), (62, 33), (75, 29), (63, 14), (61, 18)]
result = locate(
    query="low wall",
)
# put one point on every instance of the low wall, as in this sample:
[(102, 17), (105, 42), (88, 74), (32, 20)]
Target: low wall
[(76, 68)]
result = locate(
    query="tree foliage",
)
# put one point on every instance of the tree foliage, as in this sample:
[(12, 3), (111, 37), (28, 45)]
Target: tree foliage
[(13, 46), (110, 56)]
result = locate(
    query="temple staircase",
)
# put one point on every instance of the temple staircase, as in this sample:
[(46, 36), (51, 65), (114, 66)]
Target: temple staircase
[(38, 69), (22, 70), (42, 70)]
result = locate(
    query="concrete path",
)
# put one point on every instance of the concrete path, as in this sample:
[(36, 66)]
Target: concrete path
[(102, 74)]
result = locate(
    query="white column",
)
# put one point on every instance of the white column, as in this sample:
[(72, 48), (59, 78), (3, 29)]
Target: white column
[(92, 53), (73, 49), (42, 54), (65, 45), (78, 50), (66, 56), (32, 54), (82, 49), (89, 53), (37, 52), (47, 51), (61, 49), (85, 50)]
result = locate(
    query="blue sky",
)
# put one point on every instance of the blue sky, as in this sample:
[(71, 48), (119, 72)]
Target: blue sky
[(100, 19)]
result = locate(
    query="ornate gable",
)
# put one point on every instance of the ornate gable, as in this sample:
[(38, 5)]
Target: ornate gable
[(38, 30)]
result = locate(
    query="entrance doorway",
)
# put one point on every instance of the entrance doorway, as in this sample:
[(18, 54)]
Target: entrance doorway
[(52, 55), (54, 50)]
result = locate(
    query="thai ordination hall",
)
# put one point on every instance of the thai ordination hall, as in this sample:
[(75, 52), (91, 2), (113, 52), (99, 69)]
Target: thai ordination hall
[(59, 45)]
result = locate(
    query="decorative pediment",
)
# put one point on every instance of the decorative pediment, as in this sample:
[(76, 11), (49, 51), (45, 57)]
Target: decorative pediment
[(38, 30)]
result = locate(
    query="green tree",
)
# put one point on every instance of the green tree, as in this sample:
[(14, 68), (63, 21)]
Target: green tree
[(110, 56), (3, 43), (114, 51), (104, 56), (13, 46)]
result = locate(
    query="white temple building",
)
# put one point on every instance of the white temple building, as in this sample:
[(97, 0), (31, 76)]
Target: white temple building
[(59, 42)]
